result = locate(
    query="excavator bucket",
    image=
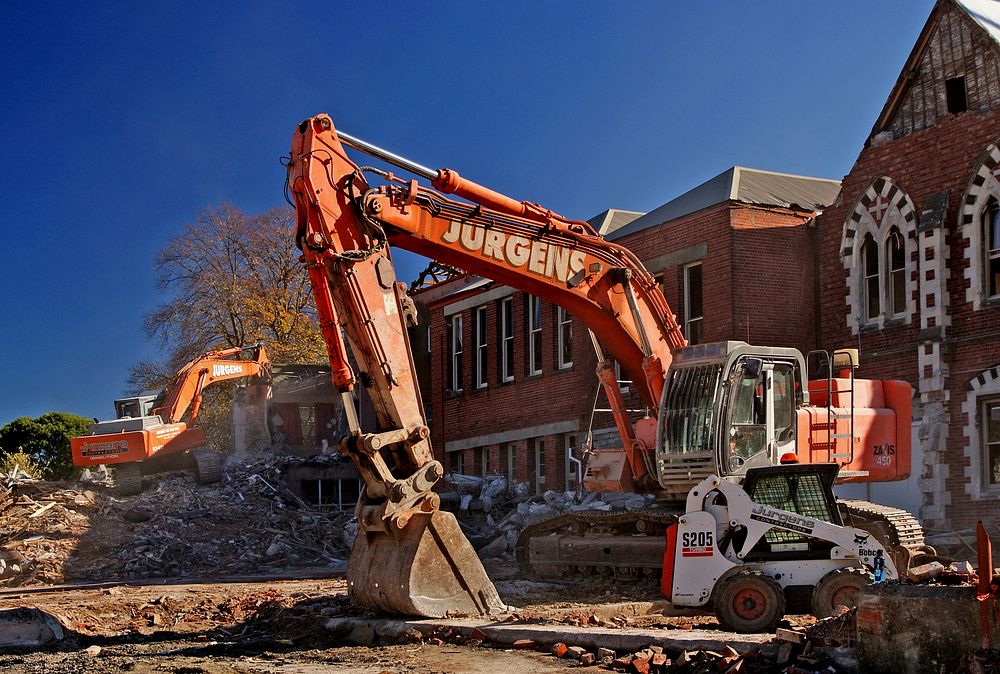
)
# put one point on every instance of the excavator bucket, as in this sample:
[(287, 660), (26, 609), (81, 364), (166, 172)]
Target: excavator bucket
[(427, 569)]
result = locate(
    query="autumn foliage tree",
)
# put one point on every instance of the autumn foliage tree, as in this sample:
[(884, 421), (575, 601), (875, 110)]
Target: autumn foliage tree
[(232, 279)]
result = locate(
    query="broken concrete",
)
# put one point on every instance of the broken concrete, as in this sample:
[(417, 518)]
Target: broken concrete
[(28, 628), (591, 639), (917, 629)]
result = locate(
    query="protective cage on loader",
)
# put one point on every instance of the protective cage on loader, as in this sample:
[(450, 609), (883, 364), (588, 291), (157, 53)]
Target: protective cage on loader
[(777, 540)]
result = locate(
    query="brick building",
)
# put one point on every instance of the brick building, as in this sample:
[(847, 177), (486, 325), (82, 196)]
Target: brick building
[(910, 258), (512, 385)]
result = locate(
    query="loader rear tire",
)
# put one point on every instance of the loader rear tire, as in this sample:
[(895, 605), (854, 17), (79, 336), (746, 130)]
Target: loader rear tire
[(838, 588), (749, 602), (207, 465), (128, 479)]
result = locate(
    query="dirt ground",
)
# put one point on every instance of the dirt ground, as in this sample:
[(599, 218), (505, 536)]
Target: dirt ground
[(260, 626), (266, 625)]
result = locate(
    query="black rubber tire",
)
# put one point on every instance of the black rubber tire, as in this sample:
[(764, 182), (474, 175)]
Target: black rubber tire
[(207, 465), (749, 602), (128, 479), (838, 588)]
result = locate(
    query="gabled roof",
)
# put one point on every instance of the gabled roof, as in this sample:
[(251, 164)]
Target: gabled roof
[(612, 219), (984, 13), (744, 185)]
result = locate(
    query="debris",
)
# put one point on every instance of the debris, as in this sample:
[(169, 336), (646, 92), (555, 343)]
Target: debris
[(925, 572), (28, 628), (93, 651), (53, 532)]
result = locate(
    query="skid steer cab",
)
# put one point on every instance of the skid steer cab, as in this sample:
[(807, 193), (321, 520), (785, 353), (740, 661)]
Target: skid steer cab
[(750, 550)]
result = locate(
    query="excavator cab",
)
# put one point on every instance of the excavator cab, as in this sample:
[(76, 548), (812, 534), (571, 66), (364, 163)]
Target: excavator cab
[(726, 407)]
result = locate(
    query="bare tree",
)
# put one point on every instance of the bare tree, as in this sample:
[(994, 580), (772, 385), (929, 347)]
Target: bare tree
[(232, 279)]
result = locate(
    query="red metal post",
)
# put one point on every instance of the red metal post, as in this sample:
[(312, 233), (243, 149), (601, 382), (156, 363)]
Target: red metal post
[(984, 548)]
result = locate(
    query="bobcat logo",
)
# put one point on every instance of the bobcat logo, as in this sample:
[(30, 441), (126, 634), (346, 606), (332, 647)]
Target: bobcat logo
[(861, 538)]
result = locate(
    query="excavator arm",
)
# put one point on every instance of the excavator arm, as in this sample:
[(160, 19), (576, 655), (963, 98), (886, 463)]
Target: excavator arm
[(410, 557), (215, 366)]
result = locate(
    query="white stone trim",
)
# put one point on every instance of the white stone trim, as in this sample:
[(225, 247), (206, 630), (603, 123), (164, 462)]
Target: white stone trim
[(877, 209), (985, 182), (985, 384)]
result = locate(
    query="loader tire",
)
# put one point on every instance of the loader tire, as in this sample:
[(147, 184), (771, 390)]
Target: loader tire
[(207, 465), (128, 479), (749, 602), (838, 588)]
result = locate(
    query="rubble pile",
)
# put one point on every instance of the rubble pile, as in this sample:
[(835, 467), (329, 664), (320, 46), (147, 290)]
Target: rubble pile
[(247, 523), (792, 651), (493, 512), (39, 523)]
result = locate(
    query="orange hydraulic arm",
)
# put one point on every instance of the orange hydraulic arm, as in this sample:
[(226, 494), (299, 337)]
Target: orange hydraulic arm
[(214, 366), (344, 226)]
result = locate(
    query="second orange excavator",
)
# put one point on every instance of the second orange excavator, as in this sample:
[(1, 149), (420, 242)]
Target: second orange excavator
[(150, 433)]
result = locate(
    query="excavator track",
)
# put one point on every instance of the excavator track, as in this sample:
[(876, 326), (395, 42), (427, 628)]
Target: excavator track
[(896, 529), (628, 545)]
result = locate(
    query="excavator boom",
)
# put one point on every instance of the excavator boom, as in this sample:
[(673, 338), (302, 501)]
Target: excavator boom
[(409, 556)]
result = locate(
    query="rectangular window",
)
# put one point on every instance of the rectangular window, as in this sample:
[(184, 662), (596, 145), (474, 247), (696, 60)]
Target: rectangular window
[(954, 90), (693, 310), (534, 334), (480, 329), (896, 256), (565, 340), (870, 290), (569, 447), (507, 453), (991, 224), (455, 357), (428, 339), (538, 451), (484, 460), (458, 462), (991, 440), (623, 382), (507, 339)]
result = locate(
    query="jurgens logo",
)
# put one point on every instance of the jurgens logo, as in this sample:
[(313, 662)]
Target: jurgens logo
[(224, 370), (541, 258), (782, 518), (104, 448)]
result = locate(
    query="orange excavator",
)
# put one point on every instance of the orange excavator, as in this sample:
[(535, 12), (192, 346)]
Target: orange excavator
[(149, 434), (720, 409)]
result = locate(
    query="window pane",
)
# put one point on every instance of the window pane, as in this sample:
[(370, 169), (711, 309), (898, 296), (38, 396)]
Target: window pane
[(871, 295), (993, 271), (694, 332), (869, 254), (899, 292), (995, 228), (694, 292)]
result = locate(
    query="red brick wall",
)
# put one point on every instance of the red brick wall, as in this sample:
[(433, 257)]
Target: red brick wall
[(758, 265), (942, 157)]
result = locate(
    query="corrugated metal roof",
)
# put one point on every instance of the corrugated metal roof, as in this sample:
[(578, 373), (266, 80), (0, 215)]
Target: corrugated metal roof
[(984, 12), (746, 185)]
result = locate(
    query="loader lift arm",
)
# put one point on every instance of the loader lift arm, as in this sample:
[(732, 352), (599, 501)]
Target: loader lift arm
[(344, 228)]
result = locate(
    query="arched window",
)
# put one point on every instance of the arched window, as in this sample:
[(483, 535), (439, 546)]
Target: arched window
[(991, 247), (871, 304), (895, 257)]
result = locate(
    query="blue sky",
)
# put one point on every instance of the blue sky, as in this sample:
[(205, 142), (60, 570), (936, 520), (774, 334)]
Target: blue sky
[(120, 121)]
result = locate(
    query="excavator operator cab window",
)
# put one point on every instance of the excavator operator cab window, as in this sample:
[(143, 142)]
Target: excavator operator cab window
[(761, 413)]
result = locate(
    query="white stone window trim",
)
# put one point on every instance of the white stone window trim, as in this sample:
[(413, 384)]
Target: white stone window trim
[(894, 207), (982, 387), (974, 202)]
